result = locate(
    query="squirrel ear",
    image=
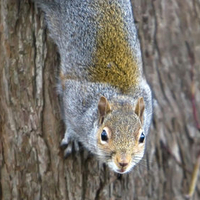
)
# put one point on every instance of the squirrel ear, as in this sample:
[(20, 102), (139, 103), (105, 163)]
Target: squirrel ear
[(139, 109), (103, 108)]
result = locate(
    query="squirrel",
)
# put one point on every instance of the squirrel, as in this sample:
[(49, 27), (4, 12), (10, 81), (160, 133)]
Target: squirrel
[(106, 101)]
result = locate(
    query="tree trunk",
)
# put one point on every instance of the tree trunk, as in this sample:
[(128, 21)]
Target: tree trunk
[(32, 165)]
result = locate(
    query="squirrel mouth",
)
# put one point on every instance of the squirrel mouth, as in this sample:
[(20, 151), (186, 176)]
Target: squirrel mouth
[(121, 170)]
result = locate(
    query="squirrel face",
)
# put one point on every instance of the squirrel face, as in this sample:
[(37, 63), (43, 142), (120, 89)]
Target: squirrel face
[(121, 141)]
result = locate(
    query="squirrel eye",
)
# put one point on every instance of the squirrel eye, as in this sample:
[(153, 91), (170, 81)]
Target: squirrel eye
[(104, 136), (142, 137)]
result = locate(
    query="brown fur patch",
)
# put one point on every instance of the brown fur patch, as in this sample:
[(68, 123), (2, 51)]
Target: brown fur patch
[(114, 61)]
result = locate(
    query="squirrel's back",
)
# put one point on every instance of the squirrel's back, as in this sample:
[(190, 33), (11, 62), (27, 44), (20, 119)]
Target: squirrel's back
[(97, 41)]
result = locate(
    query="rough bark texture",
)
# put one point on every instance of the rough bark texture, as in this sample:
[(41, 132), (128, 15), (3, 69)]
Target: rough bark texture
[(32, 164)]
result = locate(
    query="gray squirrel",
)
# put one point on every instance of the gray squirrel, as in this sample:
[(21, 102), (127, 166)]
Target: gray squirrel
[(106, 102)]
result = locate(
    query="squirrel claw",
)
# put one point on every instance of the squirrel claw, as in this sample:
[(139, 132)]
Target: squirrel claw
[(68, 150), (76, 146), (69, 146), (64, 143)]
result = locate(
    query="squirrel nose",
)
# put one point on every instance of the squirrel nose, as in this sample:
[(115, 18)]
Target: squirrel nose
[(122, 160), (123, 164)]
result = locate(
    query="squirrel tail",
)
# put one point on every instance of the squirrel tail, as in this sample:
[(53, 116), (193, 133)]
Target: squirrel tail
[(52, 18)]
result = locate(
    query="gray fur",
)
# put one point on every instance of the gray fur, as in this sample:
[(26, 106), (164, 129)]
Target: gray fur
[(73, 25)]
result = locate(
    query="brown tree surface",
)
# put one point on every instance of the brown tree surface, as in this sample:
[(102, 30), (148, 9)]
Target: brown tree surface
[(32, 164)]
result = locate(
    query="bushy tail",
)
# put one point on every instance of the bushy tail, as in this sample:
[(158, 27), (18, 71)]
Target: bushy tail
[(52, 18)]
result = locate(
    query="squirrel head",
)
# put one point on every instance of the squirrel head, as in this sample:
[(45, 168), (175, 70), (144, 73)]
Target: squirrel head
[(121, 141)]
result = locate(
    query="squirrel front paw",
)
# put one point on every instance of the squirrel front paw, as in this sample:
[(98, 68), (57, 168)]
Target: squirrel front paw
[(69, 146), (64, 143)]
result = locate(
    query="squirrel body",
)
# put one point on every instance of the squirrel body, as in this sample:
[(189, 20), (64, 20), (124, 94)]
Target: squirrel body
[(106, 102)]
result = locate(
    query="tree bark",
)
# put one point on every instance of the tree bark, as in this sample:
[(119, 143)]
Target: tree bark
[(32, 165)]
